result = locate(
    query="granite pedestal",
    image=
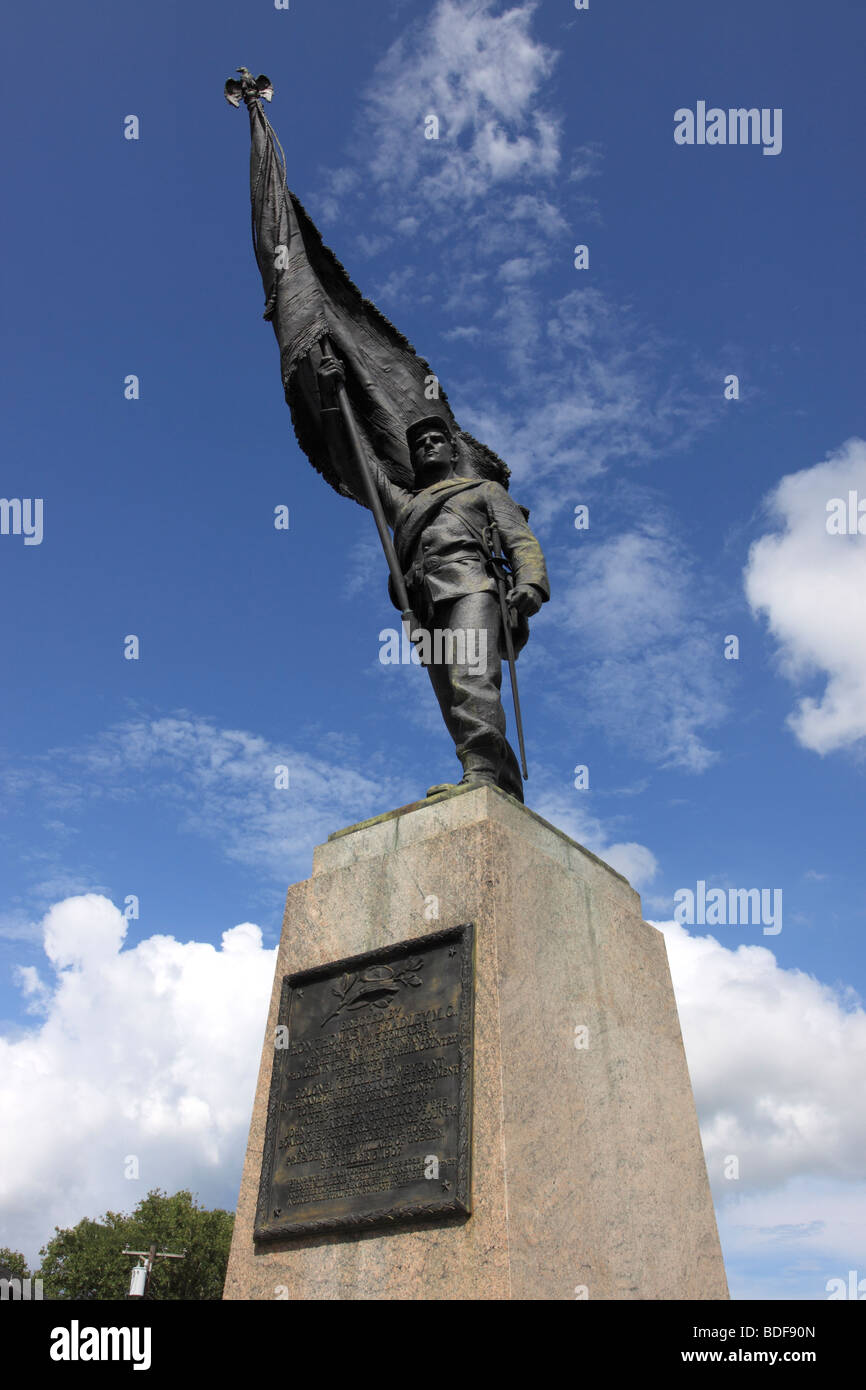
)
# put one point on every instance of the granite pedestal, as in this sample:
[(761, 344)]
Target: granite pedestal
[(588, 1176)]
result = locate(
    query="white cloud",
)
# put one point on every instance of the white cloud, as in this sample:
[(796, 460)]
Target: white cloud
[(811, 587), (777, 1061), (486, 186), (221, 784), (585, 388), (790, 1242), (469, 334), (487, 210), (479, 73), (636, 862), (630, 591), (150, 1052), (89, 929), (363, 566), (648, 668)]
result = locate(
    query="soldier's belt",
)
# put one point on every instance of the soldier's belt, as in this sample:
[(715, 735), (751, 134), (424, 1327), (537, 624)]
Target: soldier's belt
[(438, 562)]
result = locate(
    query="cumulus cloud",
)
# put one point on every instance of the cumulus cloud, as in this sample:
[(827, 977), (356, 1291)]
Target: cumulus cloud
[(777, 1060), (810, 586), (148, 1053), (635, 862), (152, 1052)]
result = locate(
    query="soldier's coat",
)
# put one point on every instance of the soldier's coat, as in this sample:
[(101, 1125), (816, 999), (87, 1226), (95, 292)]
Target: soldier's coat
[(438, 537)]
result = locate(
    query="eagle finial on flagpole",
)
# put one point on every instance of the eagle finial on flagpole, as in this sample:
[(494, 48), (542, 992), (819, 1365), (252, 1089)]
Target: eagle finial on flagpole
[(249, 89)]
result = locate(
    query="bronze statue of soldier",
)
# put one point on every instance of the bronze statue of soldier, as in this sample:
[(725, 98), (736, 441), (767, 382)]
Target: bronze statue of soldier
[(462, 559), (441, 537)]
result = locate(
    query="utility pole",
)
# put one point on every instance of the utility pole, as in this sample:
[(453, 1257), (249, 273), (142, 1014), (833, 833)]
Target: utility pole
[(140, 1277)]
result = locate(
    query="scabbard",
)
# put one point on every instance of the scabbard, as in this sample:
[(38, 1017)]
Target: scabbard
[(496, 557)]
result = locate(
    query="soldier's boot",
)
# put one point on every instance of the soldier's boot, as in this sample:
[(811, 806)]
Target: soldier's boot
[(481, 769), (477, 772)]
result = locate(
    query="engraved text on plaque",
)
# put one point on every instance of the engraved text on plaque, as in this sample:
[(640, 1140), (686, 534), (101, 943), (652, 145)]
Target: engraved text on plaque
[(369, 1117)]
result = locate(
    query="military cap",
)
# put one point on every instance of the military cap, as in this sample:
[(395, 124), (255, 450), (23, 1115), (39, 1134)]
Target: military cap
[(428, 422)]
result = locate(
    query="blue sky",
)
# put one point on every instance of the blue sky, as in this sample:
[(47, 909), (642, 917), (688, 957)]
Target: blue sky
[(259, 647)]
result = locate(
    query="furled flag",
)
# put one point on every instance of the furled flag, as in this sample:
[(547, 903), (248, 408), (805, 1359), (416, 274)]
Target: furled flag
[(309, 296)]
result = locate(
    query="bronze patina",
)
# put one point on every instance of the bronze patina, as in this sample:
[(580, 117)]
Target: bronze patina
[(374, 421), (369, 1115)]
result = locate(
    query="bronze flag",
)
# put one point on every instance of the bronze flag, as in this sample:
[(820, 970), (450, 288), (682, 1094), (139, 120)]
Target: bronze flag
[(309, 296)]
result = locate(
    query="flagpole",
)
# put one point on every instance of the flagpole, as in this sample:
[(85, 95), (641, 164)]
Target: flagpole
[(374, 501), (251, 90)]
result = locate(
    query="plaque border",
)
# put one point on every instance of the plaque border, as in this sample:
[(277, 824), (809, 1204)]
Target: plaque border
[(460, 1204)]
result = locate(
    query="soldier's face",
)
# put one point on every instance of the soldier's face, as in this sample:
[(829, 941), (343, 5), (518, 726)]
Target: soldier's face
[(432, 454)]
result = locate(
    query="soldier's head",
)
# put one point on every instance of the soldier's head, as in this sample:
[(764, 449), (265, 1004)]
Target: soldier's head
[(432, 448)]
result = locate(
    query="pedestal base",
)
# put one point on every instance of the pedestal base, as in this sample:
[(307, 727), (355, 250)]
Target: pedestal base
[(588, 1176)]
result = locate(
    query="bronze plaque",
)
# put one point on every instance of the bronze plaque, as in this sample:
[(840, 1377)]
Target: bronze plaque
[(370, 1109)]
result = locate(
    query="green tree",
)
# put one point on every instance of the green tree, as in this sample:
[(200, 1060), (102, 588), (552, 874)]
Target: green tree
[(87, 1261), (12, 1264)]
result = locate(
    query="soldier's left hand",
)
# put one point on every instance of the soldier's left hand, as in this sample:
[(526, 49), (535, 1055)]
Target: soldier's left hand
[(525, 599)]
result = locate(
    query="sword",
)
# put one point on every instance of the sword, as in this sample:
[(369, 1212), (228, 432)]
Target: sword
[(496, 561)]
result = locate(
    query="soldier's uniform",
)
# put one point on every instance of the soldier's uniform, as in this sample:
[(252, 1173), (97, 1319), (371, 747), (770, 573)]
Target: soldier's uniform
[(439, 540)]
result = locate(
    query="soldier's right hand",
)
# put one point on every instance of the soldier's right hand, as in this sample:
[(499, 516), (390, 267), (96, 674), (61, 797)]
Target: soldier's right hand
[(331, 371)]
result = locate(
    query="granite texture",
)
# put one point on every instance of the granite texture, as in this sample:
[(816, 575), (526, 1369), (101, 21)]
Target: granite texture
[(588, 1169)]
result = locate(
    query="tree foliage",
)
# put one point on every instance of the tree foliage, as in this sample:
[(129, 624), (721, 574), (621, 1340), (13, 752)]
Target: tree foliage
[(13, 1265), (87, 1260)]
